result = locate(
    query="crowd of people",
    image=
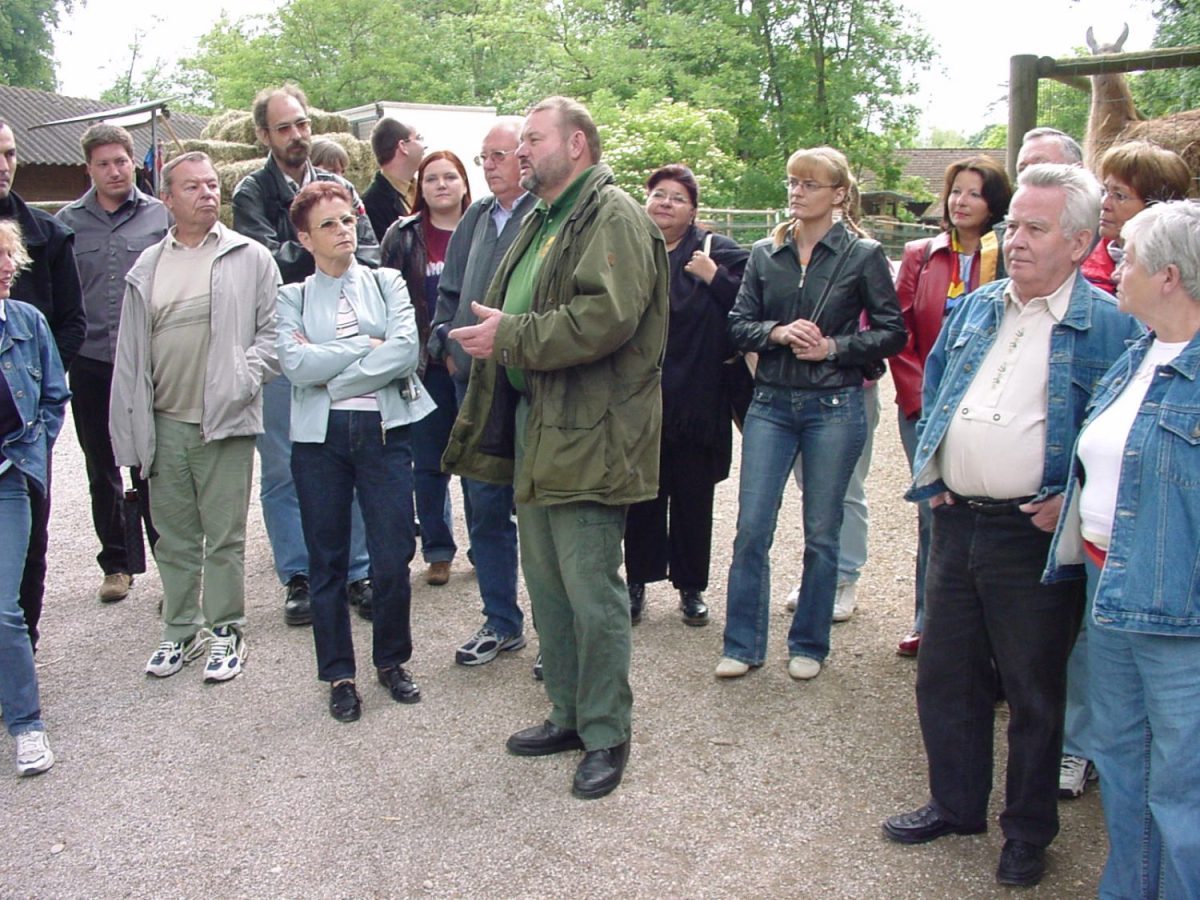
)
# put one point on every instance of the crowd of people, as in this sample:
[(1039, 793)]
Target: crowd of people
[(581, 360)]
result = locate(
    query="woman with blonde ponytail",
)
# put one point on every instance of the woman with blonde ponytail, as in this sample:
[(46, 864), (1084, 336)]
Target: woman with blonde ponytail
[(802, 296)]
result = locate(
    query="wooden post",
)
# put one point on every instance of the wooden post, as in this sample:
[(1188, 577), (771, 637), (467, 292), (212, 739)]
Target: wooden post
[(1022, 105)]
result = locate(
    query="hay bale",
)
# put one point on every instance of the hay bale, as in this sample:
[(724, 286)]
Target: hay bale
[(218, 151), (233, 125), (1179, 132)]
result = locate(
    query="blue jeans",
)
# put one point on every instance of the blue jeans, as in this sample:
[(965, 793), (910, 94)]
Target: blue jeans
[(1079, 728), (908, 437), (277, 493), (828, 428), (493, 533), (19, 699), (1147, 724), (357, 458), (432, 486), (856, 516)]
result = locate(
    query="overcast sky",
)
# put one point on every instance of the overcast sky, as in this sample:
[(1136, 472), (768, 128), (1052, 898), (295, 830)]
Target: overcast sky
[(967, 78)]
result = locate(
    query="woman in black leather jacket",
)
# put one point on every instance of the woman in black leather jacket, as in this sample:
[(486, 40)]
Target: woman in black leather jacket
[(802, 297)]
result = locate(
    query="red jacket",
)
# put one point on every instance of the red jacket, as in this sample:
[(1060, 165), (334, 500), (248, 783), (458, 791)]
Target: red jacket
[(1098, 267), (921, 287)]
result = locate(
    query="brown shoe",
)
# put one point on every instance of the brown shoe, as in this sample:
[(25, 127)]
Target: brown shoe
[(438, 573), (115, 587)]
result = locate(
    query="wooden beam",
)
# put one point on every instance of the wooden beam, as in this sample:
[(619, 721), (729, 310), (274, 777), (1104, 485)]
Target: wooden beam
[(1166, 58)]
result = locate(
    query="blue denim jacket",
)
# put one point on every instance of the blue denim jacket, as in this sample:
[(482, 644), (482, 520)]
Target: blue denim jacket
[(1151, 579), (34, 373), (1091, 335)]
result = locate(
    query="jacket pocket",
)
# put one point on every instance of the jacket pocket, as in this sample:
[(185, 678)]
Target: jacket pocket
[(1179, 452)]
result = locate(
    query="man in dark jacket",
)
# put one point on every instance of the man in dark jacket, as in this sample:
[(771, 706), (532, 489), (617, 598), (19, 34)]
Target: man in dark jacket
[(260, 211), (481, 239), (398, 150), (51, 284)]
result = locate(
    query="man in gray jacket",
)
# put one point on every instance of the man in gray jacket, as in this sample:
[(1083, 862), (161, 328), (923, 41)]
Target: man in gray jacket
[(480, 241), (113, 223), (195, 346)]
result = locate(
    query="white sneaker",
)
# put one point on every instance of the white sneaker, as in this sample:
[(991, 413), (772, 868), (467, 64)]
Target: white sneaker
[(802, 668), (792, 599), (226, 652), (844, 601), (34, 755), (731, 668), (1074, 772), (170, 656)]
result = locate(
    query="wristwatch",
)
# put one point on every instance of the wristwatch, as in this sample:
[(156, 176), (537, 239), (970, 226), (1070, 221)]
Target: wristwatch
[(831, 356)]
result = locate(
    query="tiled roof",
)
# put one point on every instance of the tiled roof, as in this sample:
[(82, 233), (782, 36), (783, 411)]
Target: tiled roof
[(59, 145), (929, 164)]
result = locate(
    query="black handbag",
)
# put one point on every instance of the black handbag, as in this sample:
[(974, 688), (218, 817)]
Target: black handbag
[(131, 521)]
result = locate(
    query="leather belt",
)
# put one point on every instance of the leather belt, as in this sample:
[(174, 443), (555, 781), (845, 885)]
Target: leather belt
[(987, 506)]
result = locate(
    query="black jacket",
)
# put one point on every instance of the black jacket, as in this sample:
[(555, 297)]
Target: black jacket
[(260, 211), (52, 282), (776, 291), (384, 205)]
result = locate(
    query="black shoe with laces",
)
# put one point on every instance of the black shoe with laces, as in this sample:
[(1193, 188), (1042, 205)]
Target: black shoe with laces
[(400, 684), (693, 608), (297, 606), (344, 703)]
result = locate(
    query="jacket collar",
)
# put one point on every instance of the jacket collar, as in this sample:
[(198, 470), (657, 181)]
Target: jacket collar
[(33, 232), (1186, 363), (143, 270), (836, 240)]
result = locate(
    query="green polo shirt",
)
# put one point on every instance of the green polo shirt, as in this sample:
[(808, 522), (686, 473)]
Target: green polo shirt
[(518, 296)]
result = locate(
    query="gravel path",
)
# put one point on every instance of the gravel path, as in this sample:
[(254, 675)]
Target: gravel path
[(759, 787)]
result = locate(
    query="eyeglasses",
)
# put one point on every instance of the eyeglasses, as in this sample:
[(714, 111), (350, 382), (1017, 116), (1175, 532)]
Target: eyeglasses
[(1117, 196), (302, 124), (661, 196), (495, 157), (805, 187), (414, 137), (346, 221)]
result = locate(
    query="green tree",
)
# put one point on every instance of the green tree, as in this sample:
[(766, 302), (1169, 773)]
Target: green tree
[(26, 45), (1167, 91)]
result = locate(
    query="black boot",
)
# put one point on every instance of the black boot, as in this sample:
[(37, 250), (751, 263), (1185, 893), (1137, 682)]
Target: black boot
[(693, 607), (637, 601), (297, 607)]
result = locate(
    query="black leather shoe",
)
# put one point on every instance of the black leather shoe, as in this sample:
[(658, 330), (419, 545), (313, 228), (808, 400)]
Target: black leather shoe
[(361, 595), (543, 740), (344, 703), (1021, 863), (400, 684), (637, 602), (297, 606), (693, 607), (600, 771), (923, 825)]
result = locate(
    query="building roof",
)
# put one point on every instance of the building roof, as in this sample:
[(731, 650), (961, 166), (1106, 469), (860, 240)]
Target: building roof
[(930, 164), (23, 108)]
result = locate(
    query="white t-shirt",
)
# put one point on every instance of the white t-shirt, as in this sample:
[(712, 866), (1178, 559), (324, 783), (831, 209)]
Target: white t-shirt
[(1102, 445)]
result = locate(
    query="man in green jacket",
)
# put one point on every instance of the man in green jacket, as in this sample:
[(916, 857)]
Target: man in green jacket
[(564, 401)]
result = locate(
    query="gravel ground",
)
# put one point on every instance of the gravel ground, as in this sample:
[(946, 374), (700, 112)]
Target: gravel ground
[(757, 787)]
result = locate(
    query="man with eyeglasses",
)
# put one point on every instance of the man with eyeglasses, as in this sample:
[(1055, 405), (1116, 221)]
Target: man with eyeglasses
[(482, 237), (398, 150), (260, 211)]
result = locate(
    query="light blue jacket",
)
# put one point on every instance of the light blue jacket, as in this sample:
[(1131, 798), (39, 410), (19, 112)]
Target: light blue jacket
[(34, 373), (327, 369), (1151, 579), (1083, 346)]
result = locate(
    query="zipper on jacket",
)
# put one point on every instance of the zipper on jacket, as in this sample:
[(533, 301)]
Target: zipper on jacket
[(383, 432)]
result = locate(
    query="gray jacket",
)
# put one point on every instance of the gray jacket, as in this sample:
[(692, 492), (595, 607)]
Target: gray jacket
[(324, 368), (106, 247), (472, 258), (241, 350)]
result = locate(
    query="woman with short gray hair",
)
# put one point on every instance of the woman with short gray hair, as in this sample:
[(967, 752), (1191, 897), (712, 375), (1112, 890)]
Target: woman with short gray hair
[(1131, 516)]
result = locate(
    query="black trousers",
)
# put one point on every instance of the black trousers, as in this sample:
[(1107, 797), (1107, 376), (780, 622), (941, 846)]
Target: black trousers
[(673, 532), (91, 383), (987, 614)]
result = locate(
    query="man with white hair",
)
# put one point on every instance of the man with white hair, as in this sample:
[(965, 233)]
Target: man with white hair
[(1006, 386)]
